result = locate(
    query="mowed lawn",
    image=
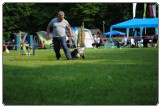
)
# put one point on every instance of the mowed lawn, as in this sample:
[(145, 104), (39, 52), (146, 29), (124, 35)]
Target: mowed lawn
[(127, 76)]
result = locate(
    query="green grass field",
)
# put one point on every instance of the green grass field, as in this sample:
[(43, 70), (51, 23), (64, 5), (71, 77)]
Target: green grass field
[(126, 76)]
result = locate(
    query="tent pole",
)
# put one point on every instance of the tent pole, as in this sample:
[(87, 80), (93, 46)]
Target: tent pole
[(111, 34), (127, 32), (156, 31), (141, 32), (110, 31)]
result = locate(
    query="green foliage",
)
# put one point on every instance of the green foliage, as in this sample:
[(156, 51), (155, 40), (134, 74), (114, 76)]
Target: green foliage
[(33, 17), (16, 17), (106, 77), (87, 11)]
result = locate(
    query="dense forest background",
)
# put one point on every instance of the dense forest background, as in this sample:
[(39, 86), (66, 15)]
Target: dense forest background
[(33, 17)]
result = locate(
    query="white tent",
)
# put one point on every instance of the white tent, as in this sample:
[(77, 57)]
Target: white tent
[(88, 36), (88, 39)]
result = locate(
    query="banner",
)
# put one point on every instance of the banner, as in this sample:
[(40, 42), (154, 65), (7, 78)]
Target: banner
[(134, 9), (152, 10), (144, 14)]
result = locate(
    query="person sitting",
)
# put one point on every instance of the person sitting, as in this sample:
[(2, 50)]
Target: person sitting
[(96, 43), (145, 41), (124, 41), (154, 41)]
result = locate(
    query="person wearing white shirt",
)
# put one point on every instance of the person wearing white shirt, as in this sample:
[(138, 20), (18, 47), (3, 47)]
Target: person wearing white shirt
[(96, 43)]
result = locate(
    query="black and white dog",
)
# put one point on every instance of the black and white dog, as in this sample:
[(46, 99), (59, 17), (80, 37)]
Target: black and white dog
[(77, 53)]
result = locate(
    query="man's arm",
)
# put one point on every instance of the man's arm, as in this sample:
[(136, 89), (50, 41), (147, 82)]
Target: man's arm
[(70, 31)]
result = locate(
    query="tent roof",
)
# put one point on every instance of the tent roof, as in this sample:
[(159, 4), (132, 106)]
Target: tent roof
[(74, 28), (79, 28), (137, 23), (43, 34), (24, 35), (94, 31), (113, 32)]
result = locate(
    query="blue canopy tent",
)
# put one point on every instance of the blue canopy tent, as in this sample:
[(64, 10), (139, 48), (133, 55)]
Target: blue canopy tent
[(138, 23), (113, 33)]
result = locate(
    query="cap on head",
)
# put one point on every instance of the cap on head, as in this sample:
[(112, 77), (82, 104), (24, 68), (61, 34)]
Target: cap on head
[(60, 13)]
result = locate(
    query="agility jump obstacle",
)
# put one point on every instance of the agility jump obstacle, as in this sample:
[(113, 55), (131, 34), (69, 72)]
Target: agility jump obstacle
[(81, 37), (24, 48)]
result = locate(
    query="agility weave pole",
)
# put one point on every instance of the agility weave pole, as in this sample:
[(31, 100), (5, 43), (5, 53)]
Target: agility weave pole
[(81, 37)]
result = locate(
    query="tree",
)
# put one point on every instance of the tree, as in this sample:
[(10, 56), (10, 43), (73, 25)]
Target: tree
[(33, 17), (16, 17), (83, 12)]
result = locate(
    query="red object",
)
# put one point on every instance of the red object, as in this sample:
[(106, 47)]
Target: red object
[(4, 48), (42, 45), (150, 10)]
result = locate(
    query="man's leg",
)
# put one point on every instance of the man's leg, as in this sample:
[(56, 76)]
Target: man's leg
[(57, 47), (65, 48)]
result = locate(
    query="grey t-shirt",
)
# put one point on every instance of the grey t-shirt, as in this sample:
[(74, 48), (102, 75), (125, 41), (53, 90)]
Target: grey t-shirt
[(59, 28)]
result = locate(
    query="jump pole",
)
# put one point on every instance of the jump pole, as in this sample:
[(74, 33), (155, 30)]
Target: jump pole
[(20, 36), (82, 35)]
